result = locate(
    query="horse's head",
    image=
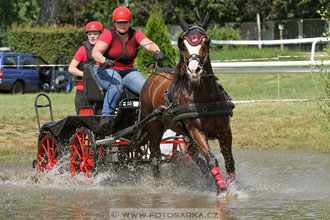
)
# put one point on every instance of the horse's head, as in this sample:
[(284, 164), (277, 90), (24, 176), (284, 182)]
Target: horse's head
[(194, 49)]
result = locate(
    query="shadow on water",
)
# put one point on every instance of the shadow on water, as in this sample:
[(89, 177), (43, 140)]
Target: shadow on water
[(270, 184)]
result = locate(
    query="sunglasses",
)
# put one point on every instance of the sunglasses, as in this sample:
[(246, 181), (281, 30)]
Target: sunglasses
[(93, 34), (122, 22)]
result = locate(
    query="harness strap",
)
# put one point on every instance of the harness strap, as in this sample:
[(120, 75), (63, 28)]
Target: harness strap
[(169, 96), (200, 109)]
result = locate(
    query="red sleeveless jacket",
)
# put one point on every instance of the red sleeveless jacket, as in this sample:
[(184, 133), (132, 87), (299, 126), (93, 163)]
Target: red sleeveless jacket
[(123, 52)]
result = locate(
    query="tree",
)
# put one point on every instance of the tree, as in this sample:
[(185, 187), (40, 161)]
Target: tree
[(47, 13), (101, 10), (72, 12), (156, 31), (19, 11)]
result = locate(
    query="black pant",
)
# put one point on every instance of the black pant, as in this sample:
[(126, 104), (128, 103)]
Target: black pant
[(80, 100)]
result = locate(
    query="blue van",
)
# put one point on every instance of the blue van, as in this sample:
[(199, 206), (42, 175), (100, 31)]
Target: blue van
[(23, 72)]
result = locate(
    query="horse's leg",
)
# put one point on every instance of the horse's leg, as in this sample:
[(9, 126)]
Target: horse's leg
[(155, 133), (194, 153), (203, 147), (225, 144)]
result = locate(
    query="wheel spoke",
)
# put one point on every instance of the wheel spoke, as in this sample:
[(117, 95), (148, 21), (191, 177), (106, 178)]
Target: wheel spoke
[(43, 146), (48, 149), (53, 162), (88, 155), (76, 150), (41, 158), (53, 149), (84, 152), (82, 145), (54, 153), (90, 163), (88, 173), (40, 168)]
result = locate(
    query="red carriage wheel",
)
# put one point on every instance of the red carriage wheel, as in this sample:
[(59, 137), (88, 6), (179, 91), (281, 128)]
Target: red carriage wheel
[(47, 153), (83, 153)]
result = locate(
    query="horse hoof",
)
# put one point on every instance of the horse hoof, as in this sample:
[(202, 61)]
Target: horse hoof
[(221, 187), (231, 177), (221, 190), (156, 172)]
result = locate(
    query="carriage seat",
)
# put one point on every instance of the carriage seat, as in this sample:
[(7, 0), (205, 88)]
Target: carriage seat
[(93, 89), (94, 92)]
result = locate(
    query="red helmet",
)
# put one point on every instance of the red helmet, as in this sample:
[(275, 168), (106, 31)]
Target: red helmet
[(94, 26), (121, 14)]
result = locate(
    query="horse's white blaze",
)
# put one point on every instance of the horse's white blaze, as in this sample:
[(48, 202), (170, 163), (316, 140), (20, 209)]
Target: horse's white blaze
[(192, 49), (193, 64)]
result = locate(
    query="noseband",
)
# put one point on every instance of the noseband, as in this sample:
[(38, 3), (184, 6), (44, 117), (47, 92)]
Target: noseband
[(194, 40), (194, 57)]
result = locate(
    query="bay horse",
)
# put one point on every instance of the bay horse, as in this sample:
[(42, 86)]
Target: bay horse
[(195, 104)]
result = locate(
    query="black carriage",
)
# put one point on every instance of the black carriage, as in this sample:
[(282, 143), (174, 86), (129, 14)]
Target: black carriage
[(92, 140)]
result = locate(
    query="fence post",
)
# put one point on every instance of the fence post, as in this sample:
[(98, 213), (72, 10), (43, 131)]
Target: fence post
[(259, 29), (281, 27), (278, 79), (313, 49)]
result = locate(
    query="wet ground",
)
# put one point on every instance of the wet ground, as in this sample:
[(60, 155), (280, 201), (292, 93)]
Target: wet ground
[(270, 185)]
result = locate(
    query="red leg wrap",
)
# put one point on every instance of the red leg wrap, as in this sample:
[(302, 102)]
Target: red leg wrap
[(221, 184)]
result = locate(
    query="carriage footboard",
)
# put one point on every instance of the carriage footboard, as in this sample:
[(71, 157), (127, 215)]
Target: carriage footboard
[(156, 113)]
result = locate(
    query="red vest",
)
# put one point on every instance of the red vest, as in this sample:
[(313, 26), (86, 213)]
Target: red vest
[(126, 52)]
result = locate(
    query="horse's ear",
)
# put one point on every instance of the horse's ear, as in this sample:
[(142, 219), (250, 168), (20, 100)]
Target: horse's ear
[(206, 21), (184, 25)]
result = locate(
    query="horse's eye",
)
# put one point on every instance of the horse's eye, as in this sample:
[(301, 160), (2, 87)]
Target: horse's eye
[(206, 41)]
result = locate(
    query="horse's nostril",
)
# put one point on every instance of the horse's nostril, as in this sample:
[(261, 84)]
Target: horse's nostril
[(198, 69)]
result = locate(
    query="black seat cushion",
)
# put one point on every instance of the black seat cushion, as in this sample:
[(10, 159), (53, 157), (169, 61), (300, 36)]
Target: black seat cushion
[(93, 89)]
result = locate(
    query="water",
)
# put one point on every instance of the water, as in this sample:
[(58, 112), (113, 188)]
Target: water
[(270, 185)]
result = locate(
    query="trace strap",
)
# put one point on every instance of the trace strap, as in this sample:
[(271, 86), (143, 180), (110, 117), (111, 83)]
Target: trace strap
[(200, 109)]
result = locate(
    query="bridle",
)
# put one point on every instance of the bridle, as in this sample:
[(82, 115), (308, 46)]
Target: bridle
[(201, 61)]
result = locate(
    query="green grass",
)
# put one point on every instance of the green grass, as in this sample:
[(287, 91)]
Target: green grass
[(19, 129), (280, 126), (273, 86), (254, 52)]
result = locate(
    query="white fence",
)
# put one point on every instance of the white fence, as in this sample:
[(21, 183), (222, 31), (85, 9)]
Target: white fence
[(312, 62)]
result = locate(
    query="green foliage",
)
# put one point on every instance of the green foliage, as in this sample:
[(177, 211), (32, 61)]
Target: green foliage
[(223, 33), (19, 11), (80, 12), (156, 31), (325, 106), (48, 42), (101, 10)]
